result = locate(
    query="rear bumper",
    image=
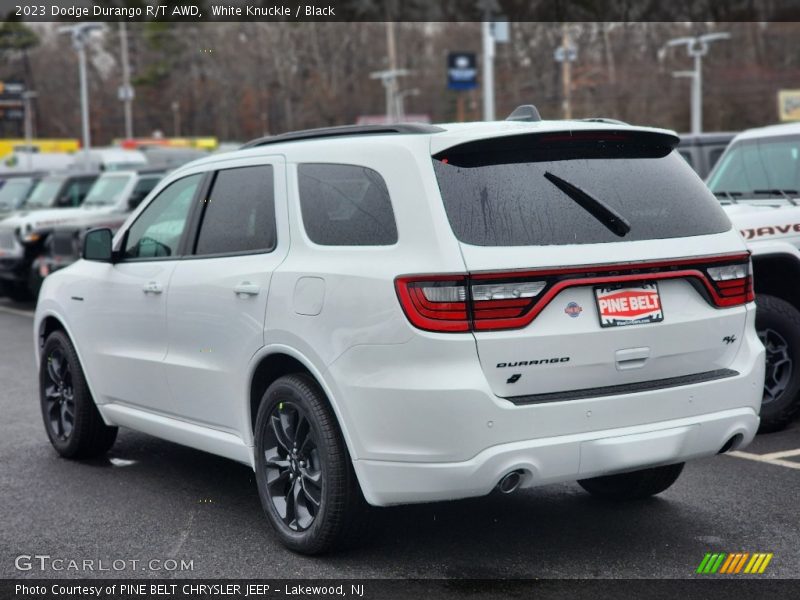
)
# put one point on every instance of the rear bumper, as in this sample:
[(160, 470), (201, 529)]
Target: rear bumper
[(557, 459), (423, 425)]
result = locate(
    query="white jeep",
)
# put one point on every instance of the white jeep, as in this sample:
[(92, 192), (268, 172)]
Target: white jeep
[(757, 179), (411, 313)]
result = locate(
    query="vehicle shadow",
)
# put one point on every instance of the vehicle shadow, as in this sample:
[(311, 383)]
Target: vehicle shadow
[(554, 531)]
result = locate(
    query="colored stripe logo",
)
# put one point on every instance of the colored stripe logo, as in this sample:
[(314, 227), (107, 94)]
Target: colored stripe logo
[(735, 563)]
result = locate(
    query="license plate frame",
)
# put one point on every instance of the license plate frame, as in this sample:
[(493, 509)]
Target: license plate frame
[(622, 305)]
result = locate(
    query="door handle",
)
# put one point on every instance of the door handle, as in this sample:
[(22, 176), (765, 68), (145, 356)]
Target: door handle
[(247, 289), (152, 287)]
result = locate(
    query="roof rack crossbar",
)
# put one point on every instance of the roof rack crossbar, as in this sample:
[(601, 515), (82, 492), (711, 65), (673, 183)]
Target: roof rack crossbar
[(344, 131)]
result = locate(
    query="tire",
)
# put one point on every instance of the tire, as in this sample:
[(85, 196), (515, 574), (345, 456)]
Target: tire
[(636, 485), (71, 419), (778, 326), (297, 439)]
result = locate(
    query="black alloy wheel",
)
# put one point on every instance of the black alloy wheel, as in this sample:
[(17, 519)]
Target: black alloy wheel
[(304, 473), (59, 395), (293, 468), (71, 419)]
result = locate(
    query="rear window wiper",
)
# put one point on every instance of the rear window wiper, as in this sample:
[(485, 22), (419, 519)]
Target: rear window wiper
[(730, 196), (610, 218), (789, 195)]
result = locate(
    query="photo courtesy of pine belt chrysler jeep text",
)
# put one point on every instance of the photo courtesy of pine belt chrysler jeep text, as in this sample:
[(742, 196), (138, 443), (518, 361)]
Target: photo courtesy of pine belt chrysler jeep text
[(381, 315)]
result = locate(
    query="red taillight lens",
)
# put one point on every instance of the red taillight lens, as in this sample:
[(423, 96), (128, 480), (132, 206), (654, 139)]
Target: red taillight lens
[(435, 303), (733, 284), (498, 301)]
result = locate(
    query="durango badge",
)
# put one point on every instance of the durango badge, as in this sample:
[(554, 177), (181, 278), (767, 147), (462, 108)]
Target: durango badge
[(573, 309)]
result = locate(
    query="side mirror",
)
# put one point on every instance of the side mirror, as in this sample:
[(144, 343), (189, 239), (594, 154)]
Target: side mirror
[(64, 200), (97, 245)]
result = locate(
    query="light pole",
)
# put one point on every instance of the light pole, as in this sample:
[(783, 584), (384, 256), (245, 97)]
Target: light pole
[(176, 118), (27, 96), (389, 80), (80, 34), (566, 54), (697, 48), (401, 95), (488, 70), (126, 91)]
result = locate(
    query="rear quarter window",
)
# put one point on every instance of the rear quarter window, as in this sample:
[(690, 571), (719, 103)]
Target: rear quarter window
[(500, 192), (345, 205)]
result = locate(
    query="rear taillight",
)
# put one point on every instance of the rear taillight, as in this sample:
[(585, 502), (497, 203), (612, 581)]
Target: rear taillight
[(435, 303), (500, 301), (733, 284)]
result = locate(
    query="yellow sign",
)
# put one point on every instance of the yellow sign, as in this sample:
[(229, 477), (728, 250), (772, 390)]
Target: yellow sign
[(9, 145), (789, 105)]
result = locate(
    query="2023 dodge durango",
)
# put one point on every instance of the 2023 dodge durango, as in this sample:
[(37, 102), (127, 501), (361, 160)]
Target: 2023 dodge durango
[(412, 313)]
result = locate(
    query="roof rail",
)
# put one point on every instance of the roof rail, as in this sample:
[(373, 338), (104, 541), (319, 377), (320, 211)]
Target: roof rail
[(603, 120), (343, 131), (525, 112)]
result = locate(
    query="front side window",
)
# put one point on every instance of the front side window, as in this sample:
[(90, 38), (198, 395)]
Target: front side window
[(76, 192), (157, 231), (106, 190), (345, 205), (239, 213)]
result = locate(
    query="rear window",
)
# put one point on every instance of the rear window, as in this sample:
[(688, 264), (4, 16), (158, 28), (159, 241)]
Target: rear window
[(573, 188), (345, 205)]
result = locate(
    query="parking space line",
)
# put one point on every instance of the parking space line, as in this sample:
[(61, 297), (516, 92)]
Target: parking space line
[(774, 458), (782, 454), (16, 311)]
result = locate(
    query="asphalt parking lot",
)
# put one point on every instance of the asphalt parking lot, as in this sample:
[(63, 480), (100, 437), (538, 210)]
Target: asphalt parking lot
[(156, 500)]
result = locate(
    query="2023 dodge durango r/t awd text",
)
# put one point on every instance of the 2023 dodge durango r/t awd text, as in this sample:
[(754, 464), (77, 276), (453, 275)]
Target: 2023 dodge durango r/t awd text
[(413, 313)]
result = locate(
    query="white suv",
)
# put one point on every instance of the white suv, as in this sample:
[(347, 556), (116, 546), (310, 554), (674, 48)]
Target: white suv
[(414, 313)]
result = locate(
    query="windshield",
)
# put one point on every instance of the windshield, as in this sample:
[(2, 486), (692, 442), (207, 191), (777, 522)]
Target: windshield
[(757, 166), (573, 189), (14, 192), (44, 194), (106, 191)]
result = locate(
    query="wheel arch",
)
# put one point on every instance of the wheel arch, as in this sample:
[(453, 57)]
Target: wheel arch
[(774, 273), (274, 362)]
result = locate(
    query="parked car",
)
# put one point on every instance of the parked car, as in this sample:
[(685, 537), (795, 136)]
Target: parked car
[(14, 190), (170, 158), (702, 150), (20, 240), (758, 179), (113, 196), (411, 313)]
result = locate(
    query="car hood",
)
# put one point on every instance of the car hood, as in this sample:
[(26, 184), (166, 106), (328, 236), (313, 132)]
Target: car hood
[(40, 219), (764, 222)]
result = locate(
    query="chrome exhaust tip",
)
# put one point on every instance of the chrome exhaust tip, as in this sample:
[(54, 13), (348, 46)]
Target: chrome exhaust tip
[(510, 482)]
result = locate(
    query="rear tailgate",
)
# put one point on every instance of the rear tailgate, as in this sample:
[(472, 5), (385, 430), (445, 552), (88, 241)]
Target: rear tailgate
[(582, 253)]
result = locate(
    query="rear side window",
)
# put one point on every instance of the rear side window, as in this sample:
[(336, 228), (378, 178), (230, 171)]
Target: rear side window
[(240, 212), (345, 205), (573, 188)]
